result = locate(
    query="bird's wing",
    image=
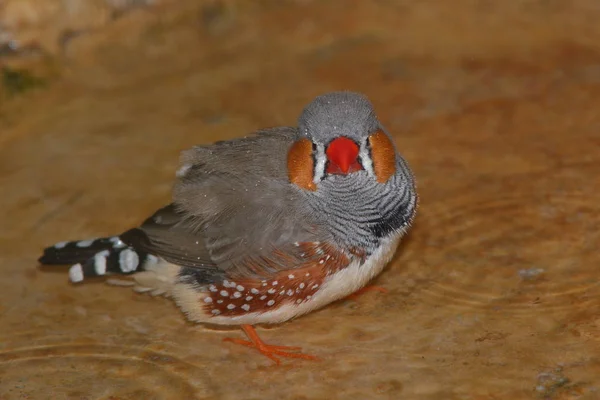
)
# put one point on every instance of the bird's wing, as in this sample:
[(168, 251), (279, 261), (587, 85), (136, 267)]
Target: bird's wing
[(170, 235), (235, 211)]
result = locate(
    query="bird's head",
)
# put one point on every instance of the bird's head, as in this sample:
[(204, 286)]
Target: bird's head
[(339, 134)]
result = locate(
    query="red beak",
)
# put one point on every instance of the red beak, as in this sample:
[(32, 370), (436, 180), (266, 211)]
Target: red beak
[(342, 154)]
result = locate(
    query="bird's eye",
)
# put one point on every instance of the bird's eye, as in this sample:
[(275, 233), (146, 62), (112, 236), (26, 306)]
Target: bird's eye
[(314, 147)]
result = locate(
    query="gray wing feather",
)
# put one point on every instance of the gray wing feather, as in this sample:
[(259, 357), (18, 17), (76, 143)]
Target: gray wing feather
[(170, 235), (233, 202)]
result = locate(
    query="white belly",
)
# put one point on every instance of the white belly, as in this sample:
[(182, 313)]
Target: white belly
[(335, 287), (161, 279)]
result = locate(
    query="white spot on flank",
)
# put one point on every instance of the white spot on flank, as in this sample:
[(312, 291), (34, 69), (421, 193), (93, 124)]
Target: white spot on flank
[(212, 288), (321, 261), (246, 307), (274, 283), (290, 292), (220, 301), (85, 243), (291, 276), (230, 306), (315, 286), (226, 283), (271, 291), (282, 292), (240, 288), (301, 286), (263, 297), (128, 260), (216, 312), (208, 300), (254, 291), (76, 273), (100, 262), (224, 293), (264, 283), (237, 295), (307, 274), (270, 302), (60, 245)]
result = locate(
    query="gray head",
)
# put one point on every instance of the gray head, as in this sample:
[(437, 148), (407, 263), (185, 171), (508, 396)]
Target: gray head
[(338, 114), (351, 174)]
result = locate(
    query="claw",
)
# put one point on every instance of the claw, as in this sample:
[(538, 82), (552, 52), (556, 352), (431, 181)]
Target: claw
[(269, 350)]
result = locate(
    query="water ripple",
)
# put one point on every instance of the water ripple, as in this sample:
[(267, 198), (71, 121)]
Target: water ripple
[(69, 370), (529, 251)]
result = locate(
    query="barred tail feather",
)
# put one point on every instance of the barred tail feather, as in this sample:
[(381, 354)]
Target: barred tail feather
[(78, 251), (97, 257)]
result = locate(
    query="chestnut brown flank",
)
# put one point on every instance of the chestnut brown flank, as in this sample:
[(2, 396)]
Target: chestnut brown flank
[(295, 286)]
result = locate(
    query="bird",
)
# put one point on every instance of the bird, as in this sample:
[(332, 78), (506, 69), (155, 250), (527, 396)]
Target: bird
[(268, 227)]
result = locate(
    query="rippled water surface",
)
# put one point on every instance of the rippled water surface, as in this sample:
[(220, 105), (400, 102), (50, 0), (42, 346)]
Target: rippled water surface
[(495, 294)]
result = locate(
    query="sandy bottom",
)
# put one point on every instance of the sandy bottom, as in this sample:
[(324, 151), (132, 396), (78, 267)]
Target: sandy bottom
[(494, 295)]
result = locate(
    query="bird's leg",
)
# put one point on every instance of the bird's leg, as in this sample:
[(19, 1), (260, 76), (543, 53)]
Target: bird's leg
[(266, 349), (371, 288)]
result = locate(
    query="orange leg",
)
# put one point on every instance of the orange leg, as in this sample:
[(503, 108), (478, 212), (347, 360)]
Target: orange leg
[(268, 350), (356, 294)]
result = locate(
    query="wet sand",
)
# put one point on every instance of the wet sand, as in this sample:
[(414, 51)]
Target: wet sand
[(495, 293)]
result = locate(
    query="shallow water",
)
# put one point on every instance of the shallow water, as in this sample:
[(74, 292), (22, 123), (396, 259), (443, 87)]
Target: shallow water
[(494, 295)]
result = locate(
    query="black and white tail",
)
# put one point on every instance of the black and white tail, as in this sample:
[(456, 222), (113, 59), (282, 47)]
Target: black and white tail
[(98, 257)]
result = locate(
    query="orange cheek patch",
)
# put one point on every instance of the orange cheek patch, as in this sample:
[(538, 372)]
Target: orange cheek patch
[(300, 165), (383, 155)]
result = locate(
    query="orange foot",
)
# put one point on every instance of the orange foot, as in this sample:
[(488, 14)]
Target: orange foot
[(268, 350), (356, 294)]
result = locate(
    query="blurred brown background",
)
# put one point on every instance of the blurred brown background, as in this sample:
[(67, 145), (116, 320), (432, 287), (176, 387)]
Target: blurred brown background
[(496, 106)]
